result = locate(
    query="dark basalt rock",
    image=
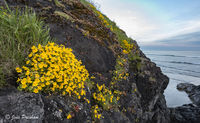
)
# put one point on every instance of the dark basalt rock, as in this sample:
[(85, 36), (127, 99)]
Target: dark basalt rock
[(189, 113), (20, 107), (192, 91)]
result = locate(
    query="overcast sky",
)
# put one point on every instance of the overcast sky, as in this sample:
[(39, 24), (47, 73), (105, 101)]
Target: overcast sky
[(156, 22)]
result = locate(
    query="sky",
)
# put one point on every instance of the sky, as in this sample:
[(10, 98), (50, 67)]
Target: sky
[(157, 23)]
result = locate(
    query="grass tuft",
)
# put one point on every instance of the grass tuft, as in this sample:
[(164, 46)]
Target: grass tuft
[(64, 15), (19, 30), (58, 4)]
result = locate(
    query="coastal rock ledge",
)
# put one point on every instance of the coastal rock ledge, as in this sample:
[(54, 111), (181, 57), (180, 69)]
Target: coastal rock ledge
[(188, 113)]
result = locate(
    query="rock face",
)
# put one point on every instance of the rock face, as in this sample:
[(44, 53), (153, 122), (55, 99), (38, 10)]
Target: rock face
[(143, 100), (192, 91), (21, 107), (189, 113)]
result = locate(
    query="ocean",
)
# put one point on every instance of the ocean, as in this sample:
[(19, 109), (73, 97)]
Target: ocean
[(180, 67)]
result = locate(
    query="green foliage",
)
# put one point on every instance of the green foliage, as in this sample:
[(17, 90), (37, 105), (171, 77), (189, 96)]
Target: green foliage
[(64, 15), (84, 2), (120, 72), (135, 61), (59, 4), (87, 2), (19, 30), (105, 97), (2, 80)]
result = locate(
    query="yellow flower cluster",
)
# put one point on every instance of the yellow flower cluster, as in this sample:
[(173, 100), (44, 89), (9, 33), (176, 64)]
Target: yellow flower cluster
[(120, 73), (92, 6), (126, 46), (53, 68), (120, 76), (101, 17), (96, 112), (103, 95)]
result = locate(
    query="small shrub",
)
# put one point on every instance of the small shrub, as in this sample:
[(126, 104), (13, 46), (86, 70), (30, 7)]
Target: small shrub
[(135, 61), (96, 112), (104, 97), (126, 46), (53, 69)]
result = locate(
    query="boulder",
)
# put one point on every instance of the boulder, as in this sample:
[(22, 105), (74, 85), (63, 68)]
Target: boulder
[(188, 113), (192, 91)]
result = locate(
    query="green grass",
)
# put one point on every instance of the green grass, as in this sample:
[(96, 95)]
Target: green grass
[(64, 15), (85, 2), (2, 79), (59, 4), (18, 32)]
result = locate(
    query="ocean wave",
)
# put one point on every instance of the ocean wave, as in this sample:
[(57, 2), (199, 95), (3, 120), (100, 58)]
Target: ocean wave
[(182, 73), (177, 68), (178, 80), (177, 62), (183, 63), (172, 55)]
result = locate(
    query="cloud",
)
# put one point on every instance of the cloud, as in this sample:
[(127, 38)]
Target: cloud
[(151, 24), (184, 40), (131, 18)]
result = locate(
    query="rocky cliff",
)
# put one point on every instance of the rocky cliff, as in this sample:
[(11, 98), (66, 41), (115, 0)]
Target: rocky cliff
[(76, 25)]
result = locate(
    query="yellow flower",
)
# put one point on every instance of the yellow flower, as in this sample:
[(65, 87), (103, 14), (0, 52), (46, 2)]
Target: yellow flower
[(30, 55), (35, 90), (111, 98), (23, 81), (83, 92), (29, 80), (69, 116), (27, 73), (92, 77), (42, 85), (99, 87), (34, 84), (25, 68), (40, 65), (63, 93), (27, 62), (99, 116), (39, 88), (18, 70), (18, 80), (24, 85), (125, 52), (47, 83)]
